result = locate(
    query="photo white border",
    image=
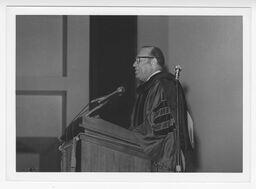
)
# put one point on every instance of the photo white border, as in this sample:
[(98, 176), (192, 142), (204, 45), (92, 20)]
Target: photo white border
[(7, 71)]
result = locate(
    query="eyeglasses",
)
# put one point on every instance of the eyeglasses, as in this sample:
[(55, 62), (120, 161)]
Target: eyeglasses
[(138, 58)]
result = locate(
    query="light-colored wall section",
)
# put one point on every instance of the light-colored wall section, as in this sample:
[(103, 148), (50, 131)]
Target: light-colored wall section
[(210, 51), (76, 83), (39, 45), (49, 91), (38, 116), (154, 30), (78, 64)]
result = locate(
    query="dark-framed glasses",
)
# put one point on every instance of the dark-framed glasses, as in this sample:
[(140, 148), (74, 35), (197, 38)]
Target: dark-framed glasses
[(138, 58)]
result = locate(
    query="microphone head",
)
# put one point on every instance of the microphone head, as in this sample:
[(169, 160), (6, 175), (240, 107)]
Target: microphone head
[(121, 89)]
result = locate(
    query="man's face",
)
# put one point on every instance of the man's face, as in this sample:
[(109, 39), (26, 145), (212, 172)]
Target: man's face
[(142, 64)]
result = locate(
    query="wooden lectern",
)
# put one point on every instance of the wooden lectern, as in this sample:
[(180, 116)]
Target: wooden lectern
[(103, 147)]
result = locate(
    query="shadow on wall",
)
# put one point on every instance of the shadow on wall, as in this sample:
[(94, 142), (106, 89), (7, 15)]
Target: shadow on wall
[(195, 161)]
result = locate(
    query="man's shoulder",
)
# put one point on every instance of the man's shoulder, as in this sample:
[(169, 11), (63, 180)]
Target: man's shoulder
[(164, 80), (167, 79)]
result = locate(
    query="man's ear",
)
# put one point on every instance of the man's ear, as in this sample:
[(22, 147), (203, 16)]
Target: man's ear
[(154, 62)]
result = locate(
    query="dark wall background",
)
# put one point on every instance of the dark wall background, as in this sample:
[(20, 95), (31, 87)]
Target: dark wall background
[(113, 46)]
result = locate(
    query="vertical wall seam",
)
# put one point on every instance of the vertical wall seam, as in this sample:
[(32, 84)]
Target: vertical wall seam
[(64, 45)]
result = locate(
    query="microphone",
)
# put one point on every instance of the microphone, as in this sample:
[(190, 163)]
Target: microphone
[(119, 91)]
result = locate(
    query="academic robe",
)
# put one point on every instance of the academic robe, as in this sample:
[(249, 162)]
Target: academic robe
[(154, 122)]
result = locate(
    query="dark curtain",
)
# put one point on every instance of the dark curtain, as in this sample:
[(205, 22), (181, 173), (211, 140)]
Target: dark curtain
[(113, 47)]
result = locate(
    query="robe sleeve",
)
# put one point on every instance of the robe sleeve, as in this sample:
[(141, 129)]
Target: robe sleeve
[(155, 135)]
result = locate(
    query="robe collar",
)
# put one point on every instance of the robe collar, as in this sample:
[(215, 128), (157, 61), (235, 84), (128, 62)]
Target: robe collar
[(146, 85)]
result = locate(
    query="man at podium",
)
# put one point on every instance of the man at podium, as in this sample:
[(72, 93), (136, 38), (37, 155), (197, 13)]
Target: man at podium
[(159, 118)]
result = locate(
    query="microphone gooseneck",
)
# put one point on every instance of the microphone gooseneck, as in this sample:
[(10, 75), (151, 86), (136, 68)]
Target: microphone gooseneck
[(119, 91), (105, 99)]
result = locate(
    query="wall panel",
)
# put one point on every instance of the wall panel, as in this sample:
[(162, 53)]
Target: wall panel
[(39, 45), (52, 82), (39, 115)]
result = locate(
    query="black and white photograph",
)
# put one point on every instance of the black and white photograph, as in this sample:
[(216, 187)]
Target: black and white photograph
[(161, 92), (79, 77)]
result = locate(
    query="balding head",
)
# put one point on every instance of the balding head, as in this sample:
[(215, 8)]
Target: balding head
[(149, 60), (158, 54)]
